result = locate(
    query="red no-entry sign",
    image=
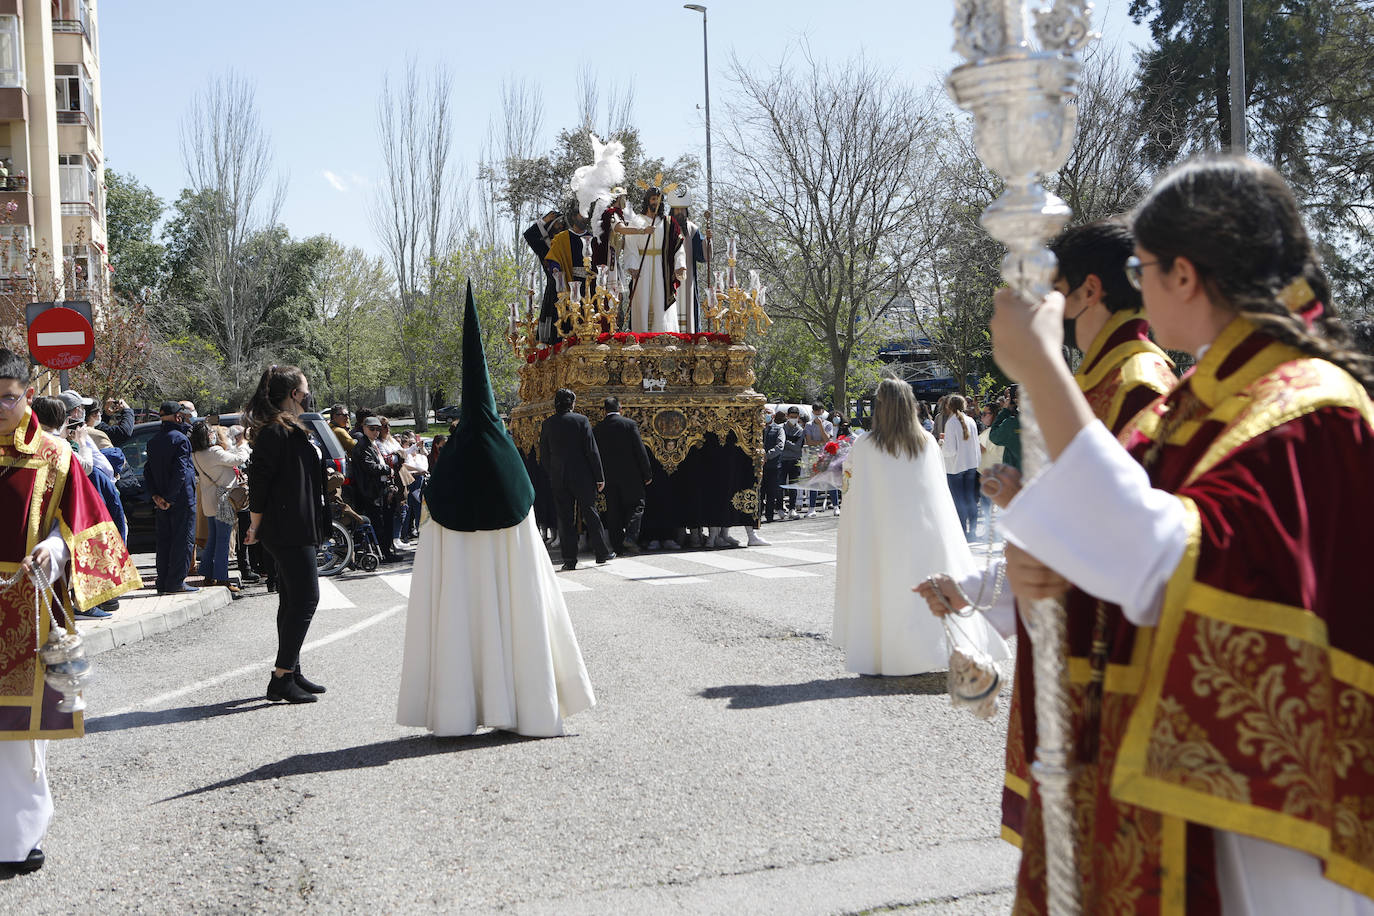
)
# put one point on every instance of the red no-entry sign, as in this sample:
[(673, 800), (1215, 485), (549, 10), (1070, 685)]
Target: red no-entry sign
[(61, 338)]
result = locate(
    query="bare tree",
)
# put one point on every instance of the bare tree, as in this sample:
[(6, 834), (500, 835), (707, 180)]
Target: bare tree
[(510, 149), (416, 208), (827, 176), (237, 194), (1107, 170)]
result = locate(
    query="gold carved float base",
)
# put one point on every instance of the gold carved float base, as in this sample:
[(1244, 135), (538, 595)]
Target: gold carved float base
[(677, 391)]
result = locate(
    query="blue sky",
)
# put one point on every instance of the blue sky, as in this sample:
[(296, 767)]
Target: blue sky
[(318, 67)]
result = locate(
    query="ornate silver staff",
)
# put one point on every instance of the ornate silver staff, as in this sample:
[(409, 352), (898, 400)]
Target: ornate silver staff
[(1022, 101)]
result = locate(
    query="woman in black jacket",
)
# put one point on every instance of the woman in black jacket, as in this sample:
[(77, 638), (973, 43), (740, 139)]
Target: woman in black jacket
[(287, 515)]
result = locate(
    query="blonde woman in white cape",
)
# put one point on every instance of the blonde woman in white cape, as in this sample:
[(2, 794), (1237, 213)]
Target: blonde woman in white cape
[(899, 526)]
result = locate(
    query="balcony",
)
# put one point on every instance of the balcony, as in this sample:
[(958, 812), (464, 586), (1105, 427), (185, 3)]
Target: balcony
[(73, 117), (78, 208), (14, 104)]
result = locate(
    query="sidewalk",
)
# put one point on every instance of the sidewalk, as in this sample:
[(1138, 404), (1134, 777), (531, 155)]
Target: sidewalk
[(145, 613)]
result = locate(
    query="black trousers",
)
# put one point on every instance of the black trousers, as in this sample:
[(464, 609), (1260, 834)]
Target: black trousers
[(386, 534), (790, 473), (375, 515), (250, 555), (298, 594), (176, 531), (770, 500), (624, 514), (569, 503)]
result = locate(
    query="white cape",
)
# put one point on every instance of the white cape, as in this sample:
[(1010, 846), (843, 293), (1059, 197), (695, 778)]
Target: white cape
[(899, 526), (488, 638)]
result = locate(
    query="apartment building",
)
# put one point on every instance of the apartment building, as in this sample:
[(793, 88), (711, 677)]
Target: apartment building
[(52, 168)]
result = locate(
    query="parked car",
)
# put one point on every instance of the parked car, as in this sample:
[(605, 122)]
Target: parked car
[(450, 413), (138, 504)]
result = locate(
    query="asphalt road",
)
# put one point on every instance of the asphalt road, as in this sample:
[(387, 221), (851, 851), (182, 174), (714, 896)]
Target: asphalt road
[(731, 765)]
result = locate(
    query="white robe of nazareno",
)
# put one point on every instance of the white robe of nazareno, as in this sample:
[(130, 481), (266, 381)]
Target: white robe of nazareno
[(649, 313), (488, 638), (899, 526)]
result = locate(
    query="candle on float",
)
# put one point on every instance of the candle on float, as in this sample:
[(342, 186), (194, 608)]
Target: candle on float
[(763, 290), (753, 279), (730, 248), (575, 291)]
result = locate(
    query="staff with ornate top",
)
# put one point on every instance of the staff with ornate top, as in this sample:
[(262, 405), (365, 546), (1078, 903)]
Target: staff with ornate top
[(1023, 128)]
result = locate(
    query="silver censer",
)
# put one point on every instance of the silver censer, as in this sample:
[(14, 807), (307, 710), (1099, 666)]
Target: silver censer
[(65, 667), (1023, 102)]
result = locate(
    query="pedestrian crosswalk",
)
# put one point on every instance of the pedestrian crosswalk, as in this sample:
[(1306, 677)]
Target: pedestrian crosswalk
[(791, 558)]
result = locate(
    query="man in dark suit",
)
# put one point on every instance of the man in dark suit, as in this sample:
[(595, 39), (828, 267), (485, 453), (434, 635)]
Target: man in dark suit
[(626, 464), (170, 479), (567, 449)]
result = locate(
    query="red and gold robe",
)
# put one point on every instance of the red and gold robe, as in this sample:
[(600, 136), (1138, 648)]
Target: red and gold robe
[(1121, 374), (42, 483), (1249, 707)]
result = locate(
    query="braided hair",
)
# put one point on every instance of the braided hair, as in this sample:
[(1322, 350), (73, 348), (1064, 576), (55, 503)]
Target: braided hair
[(1237, 221)]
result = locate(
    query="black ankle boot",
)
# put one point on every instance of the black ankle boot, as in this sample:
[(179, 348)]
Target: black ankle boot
[(286, 689), (305, 683)]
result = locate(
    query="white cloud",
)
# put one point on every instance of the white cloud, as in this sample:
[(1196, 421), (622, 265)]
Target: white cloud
[(335, 181)]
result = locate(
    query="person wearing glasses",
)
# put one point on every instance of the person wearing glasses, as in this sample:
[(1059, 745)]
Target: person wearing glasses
[(1228, 521), (1121, 373), (70, 540)]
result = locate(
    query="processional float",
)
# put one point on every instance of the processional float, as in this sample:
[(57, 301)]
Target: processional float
[(691, 394), (1023, 103)]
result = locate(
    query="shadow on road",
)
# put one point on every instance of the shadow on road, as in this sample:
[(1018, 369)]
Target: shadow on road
[(363, 755), (757, 696), (172, 716)]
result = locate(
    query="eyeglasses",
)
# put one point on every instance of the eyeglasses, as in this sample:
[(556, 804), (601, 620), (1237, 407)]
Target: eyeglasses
[(10, 401), (1134, 268)]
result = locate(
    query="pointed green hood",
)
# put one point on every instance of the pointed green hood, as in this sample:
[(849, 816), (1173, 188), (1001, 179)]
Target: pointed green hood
[(479, 482)]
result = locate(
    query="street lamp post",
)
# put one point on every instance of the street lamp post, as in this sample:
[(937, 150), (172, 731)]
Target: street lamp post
[(706, 71), (1239, 143)]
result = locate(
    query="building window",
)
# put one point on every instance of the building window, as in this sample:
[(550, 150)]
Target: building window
[(72, 178), (74, 96), (72, 16), (78, 261), (14, 251), (11, 61)]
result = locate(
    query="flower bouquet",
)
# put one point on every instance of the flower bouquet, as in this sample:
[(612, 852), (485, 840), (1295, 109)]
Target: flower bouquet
[(827, 470)]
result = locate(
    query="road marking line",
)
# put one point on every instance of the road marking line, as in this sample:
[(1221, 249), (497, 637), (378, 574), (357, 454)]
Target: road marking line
[(780, 572), (748, 567), (255, 666), (331, 599), (643, 572), (568, 585), (792, 553), (399, 582)]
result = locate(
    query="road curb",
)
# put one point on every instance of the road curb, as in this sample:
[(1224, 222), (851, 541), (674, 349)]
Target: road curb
[(151, 615)]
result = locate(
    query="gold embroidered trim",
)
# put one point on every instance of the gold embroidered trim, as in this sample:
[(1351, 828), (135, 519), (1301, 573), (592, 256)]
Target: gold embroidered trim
[(1118, 355)]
